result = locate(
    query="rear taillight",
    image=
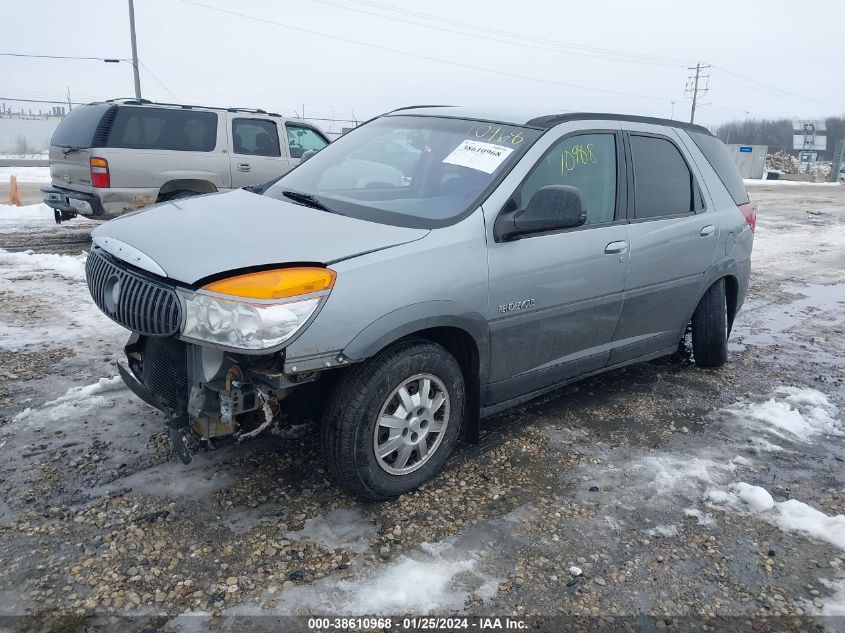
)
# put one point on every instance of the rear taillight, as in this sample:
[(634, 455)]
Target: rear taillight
[(100, 172), (750, 212)]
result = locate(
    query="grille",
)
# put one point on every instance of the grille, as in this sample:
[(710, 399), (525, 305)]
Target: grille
[(165, 371), (133, 301)]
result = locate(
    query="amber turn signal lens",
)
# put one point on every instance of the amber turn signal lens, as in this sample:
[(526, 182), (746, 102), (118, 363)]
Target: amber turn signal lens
[(275, 284)]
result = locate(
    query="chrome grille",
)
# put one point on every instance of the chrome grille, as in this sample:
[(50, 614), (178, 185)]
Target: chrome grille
[(135, 302)]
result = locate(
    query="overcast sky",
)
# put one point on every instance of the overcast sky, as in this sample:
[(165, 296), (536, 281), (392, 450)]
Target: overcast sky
[(369, 56)]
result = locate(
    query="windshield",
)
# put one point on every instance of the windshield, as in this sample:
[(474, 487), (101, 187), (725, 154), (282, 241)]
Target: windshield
[(409, 170)]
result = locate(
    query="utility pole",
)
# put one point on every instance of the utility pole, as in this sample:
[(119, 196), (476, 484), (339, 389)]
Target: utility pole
[(696, 88), (134, 50)]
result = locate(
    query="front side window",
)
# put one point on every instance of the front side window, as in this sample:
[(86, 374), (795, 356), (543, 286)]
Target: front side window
[(410, 170), (255, 137), (302, 139), (163, 128), (663, 183), (586, 162)]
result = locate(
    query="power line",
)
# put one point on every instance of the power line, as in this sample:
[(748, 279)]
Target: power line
[(111, 60), (512, 34), (766, 88), (160, 82), (499, 40), (40, 100), (422, 56)]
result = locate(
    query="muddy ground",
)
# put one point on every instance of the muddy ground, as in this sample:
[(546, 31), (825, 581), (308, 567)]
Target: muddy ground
[(615, 496)]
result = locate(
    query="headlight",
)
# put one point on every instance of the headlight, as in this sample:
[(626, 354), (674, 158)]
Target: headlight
[(258, 310)]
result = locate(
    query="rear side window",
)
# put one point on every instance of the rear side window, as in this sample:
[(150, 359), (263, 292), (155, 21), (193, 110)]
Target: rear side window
[(663, 183), (723, 164), (161, 128), (255, 137), (78, 127)]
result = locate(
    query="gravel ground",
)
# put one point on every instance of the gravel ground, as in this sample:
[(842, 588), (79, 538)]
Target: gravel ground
[(599, 500)]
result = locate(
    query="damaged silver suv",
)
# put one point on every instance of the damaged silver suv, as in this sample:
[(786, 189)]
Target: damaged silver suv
[(432, 267)]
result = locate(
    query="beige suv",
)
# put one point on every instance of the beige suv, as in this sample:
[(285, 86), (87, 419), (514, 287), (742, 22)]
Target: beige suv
[(117, 156)]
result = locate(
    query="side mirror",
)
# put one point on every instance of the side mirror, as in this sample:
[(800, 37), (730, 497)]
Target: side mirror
[(306, 155), (553, 207)]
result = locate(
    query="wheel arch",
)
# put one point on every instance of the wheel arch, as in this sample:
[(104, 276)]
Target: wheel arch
[(464, 335), (736, 282), (197, 185)]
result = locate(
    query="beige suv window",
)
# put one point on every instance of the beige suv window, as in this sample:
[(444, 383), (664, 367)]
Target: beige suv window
[(302, 139), (255, 137)]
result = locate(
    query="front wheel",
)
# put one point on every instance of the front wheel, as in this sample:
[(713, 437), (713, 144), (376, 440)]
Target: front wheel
[(710, 327), (393, 420)]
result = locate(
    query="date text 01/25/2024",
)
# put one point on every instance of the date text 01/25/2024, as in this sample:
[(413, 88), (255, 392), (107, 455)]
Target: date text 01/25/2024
[(424, 623)]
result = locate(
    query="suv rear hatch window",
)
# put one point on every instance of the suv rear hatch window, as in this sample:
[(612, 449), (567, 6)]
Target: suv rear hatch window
[(79, 127), (163, 128), (723, 164)]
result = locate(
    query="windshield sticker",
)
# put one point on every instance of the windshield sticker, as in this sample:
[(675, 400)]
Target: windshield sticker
[(495, 134), (484, 157)]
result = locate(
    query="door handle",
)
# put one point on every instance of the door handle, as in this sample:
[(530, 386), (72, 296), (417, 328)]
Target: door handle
[(707, 231), (614, 248), (244, 167)]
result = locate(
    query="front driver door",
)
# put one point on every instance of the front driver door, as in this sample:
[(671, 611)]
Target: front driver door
[(555, 298)]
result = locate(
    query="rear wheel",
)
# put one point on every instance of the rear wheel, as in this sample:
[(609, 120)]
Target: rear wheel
[(710, 327), (393, 420), (176, 195)]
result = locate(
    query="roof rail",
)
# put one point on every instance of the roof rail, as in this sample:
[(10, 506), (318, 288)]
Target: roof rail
[(184, 106), (414, 107)]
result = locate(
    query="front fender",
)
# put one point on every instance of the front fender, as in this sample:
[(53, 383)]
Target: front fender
[(422, 316)]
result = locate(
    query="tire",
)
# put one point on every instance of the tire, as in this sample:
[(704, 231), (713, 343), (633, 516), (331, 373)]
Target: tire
[(176, 195), (710, 327), (353, 425)]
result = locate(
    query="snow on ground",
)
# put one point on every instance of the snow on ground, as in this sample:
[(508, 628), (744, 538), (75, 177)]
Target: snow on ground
[(76, 401), (339, 528), (50, 289), (25, 219), (790, 515), (28, 263), (54, 300), (26, 174), (792, 414), (779, 183)]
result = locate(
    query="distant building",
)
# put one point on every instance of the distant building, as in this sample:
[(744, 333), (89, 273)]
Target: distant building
[(751, 159), (28, 130)]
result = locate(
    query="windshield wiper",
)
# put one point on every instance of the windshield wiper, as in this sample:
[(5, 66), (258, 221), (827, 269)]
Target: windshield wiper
[(308, 200), (69, 150)]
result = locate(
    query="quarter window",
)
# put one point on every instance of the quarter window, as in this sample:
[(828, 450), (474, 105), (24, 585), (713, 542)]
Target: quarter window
[(585, 161), (303, 139), (255, 137), (164, 128), (663, 183)]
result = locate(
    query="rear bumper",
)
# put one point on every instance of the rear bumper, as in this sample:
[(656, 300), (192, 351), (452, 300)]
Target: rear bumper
[(69, 201), (106, 204)]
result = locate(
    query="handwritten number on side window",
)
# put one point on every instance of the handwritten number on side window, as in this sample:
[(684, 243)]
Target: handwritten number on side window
[(576, 156)]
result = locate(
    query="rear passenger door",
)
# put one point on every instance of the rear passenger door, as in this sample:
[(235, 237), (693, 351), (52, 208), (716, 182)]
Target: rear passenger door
[(256, 154), (673, 238)]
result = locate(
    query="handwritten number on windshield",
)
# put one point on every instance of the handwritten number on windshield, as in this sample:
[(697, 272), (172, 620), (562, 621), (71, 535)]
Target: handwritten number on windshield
[(495, 134)]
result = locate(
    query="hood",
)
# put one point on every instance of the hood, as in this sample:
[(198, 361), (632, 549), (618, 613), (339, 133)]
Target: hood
[(193, 238)]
